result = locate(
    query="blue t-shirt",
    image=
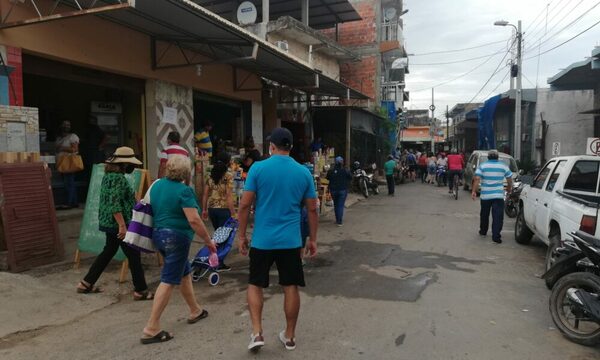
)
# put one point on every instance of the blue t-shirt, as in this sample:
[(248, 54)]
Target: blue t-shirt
[(168, 198), (280, 185)]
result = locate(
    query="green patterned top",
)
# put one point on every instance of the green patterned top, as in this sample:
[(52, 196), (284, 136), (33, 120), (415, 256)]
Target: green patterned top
[(116, 196)]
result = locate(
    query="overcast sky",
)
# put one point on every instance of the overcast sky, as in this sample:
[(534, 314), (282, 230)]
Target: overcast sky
[(440, 25)]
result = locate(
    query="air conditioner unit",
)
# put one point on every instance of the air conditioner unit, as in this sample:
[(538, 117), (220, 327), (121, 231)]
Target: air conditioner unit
[(283, 45)]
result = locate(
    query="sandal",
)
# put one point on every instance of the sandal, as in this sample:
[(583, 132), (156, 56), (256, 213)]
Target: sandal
[(202, 315), (142, 295), (162, 336), (88, 289)]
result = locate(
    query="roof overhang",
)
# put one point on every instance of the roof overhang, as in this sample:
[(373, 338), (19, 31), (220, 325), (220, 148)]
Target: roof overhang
[(345, 107), (582, 75), (194, 29), (528, 95), (291, 28), (321, 14)]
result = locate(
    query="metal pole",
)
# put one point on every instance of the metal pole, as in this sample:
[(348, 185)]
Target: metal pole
[(432, 126), (517, 154)]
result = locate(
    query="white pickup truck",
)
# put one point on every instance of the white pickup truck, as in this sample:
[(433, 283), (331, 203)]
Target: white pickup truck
[(562, 198)]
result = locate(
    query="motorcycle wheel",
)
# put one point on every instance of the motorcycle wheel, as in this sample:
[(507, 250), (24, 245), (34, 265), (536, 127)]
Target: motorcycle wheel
[(510, 209), (574, 327), (363, 188)]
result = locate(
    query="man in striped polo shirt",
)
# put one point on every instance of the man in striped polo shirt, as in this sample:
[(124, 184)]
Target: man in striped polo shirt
[(491, 174), (173, 148)]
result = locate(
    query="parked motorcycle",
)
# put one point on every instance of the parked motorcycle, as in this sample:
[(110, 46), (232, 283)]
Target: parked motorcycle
[(567, 258), (511, 205), (575, 298), (362, 181), (401, 173)]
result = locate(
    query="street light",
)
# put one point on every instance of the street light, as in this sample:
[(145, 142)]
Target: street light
[(519, 34)]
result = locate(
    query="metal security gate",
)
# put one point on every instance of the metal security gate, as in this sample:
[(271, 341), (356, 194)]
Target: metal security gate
[(30, 229)]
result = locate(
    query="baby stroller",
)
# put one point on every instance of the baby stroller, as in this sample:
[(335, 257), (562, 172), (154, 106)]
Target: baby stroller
[(223, 238)]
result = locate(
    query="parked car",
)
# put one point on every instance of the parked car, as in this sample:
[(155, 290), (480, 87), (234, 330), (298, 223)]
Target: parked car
[(479, 157), (562, 199)]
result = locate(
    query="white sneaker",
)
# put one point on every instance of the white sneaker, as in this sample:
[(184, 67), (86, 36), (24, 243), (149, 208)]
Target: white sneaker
[(256, 342), (289, 344)]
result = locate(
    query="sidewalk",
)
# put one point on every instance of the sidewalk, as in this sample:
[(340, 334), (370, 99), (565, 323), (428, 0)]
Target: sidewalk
[(45, 296)]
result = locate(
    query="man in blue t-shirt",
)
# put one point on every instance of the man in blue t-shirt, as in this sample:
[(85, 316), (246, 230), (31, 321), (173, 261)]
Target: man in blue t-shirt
[(278, 187)]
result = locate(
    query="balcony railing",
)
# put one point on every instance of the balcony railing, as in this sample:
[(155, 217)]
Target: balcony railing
[(391, 31), (392, 91)]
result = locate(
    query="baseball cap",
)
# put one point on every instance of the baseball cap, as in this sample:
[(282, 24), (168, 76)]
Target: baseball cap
[(281, 137), (339, 160)]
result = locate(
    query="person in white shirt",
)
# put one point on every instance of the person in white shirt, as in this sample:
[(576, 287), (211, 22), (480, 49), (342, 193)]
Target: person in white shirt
[(68, 143)]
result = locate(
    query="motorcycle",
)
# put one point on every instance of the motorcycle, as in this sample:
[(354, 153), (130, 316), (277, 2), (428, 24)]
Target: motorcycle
[(364, 182), (567, 258), (575, 298), (401, 173), (511, 205)]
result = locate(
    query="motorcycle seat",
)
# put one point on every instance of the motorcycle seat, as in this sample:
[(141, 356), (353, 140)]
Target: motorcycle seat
[(594, 241)]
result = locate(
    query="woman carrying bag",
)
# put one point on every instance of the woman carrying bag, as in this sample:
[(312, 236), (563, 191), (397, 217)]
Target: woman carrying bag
[(114, 214), (68, 162)]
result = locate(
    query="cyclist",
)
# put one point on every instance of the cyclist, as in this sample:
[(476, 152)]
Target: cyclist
[(411, 161), (455, 167)]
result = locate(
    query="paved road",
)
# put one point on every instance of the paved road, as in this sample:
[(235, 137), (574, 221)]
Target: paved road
[(405, 278)]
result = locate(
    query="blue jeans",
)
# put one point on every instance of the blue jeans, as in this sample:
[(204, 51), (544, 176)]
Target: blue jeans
[(70, 189), (175, 248), (339, 199), (218, 216), (497, 207)]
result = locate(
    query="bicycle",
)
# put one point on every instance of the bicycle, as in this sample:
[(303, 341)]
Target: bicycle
[(455, 187)]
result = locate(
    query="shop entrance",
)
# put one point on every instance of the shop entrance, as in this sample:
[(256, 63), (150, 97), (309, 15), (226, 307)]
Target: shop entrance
[(105, 111), (230, 121)]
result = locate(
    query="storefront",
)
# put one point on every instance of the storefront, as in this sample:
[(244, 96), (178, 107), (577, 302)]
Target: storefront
[(105, 111)]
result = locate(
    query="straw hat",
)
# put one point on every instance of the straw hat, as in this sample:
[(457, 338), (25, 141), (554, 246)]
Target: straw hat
[(122, 155)]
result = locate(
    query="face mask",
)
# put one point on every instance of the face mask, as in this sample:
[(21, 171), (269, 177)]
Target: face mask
[(129, 168)]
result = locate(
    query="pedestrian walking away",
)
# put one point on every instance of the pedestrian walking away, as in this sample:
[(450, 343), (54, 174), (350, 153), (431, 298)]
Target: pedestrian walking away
[(176, 219), (114, 214), (217, 200), (279, 186), (173, 148), (491, 175), (339, 177), (389, 168)]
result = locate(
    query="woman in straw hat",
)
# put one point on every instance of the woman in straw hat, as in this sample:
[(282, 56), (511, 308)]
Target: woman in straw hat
[(114, 213)]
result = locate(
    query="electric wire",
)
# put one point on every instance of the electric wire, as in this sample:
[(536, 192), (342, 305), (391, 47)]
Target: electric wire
[(456, 61), (547, 31), (551, 15), (497, 86), (497, 70), (534, 21), (458, 50)]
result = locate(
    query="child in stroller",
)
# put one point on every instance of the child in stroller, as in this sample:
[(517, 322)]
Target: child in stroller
[(223, 238)]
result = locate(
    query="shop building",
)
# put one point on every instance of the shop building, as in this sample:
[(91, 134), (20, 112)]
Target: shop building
[(139, 69), (463, 131)]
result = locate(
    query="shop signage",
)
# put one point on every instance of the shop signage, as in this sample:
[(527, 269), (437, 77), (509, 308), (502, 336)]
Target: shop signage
[(106, 107), (593, 146), (555, 148), (169, 115)]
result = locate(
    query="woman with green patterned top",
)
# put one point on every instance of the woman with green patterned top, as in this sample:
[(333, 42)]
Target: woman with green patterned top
[(115, 208)]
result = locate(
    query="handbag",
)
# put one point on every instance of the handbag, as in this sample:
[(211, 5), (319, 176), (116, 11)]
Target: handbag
[(139, 230), (69, 163)]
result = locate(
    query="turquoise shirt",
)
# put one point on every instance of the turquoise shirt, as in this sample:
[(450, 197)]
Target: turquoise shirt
[(168, 198), (389, 167), (280, 185)]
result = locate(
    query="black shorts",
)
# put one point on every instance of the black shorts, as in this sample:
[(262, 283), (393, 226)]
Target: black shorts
[(289, 267)]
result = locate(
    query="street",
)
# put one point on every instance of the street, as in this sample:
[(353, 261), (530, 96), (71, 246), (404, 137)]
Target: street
[(406, 277)]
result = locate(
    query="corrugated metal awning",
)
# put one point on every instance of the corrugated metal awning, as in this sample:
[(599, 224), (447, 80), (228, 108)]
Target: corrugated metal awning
[(194, 28)]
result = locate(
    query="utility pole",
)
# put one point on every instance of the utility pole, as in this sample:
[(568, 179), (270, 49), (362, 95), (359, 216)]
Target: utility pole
[(517, 154), (432, 126), (448, 125)]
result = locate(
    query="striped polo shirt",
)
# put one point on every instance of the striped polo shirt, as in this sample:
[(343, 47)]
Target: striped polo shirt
[(171, 150), (492, 174), (203, 142)]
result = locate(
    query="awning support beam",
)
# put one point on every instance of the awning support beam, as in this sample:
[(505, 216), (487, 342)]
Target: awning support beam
[(239, 86), (63, 15)]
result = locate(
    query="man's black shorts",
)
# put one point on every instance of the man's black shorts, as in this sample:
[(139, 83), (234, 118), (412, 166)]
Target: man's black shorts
[(289, 267)]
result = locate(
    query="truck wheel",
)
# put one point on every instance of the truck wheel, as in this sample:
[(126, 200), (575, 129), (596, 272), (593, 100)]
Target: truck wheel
[(522, 233), (553, 243)]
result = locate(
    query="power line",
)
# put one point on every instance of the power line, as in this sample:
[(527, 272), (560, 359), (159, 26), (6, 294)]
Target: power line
[(457, 61), (551, 12), (564, 42), (466, 73), (490, 78), (497, 86), (459, 50), (538, 16), (567, 13)]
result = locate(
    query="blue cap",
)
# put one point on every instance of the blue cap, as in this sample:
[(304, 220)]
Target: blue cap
[(339, 160)]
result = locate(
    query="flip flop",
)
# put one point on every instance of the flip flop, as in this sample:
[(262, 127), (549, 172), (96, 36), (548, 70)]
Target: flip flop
[(202, 315), (143, 296), (162, 336), (88, 289)]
